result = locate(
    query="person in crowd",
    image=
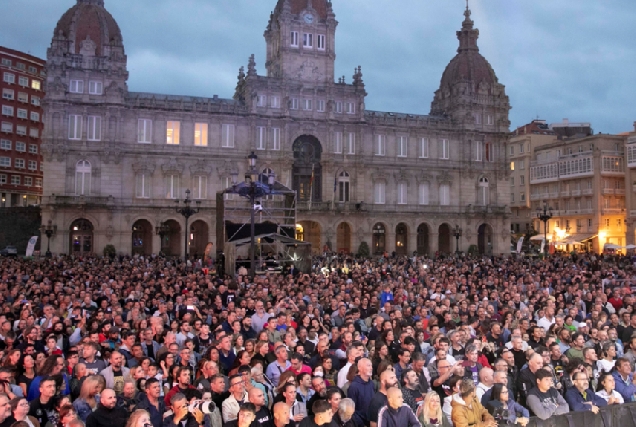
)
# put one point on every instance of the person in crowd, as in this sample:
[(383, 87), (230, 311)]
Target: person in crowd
[(181, 416), (544, 401), (89, 395), (344, 416), (430, 412), (322, 415), (581, 397), (139, 418), (281, 415), (152, 403), (107, 414), (467, 410), (362, 390), (624, 379), (502, 403), (396, 412), (20, 410), (42, 408), (378, 401), (606, 389), (230, 406), (486, 380)]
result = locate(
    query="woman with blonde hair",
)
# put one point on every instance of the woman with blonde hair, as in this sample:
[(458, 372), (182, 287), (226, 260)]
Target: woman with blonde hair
[(139, 418), (88, 398), (430, 412)]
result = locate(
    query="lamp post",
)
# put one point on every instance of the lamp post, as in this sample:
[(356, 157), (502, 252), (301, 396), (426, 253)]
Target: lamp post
[(161, 230), (49, 229), (544, 215), (186, 211), (458, 234)]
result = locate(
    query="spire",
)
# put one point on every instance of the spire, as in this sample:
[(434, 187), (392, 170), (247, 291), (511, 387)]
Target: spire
[(251, 66), (468, 34)]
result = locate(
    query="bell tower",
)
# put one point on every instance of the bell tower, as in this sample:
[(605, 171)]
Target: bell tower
[(300, 40)]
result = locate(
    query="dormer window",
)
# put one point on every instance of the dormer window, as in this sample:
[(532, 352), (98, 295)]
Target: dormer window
[(293, 39)]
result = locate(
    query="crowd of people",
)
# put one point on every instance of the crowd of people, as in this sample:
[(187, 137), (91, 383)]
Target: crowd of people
[(385, 342)]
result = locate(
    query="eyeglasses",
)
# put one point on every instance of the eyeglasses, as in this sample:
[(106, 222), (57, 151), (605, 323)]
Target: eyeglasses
[(238, 383)]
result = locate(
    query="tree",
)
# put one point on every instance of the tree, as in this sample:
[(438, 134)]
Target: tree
[(363, 250)]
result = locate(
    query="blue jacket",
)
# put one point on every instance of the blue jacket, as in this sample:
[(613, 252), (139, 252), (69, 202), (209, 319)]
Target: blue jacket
[(34, 388), (577, 402), (401, 417), (361, 392), (626, 388)]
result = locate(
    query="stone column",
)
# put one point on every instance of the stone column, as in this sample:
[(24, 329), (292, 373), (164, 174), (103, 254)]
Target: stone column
[(433, 243)]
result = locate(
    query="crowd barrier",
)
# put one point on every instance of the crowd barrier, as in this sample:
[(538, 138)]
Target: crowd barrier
[(611, 416)]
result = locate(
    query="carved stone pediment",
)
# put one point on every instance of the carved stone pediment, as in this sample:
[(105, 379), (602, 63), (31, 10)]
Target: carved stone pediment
[(201, 167), (423, 178), (172, 167), (226, 169), (379, 175), (444, 178), (144, 166), (402, 176)]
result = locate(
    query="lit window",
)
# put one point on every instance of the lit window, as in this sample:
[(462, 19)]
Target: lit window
[(201, 134), (512, 166), (172, 132), (36, 84)]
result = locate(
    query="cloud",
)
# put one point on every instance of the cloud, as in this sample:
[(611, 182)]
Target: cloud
[(557, 58)]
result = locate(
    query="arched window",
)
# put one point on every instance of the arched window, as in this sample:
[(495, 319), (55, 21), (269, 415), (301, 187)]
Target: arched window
[(83, 178), (483, 193), (343, 186)]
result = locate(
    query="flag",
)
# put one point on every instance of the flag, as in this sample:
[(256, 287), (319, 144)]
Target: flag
[(519, 244), (31, 245)]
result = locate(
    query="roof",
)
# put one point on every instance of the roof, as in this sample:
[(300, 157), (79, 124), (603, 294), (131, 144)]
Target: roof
[(320, 6)]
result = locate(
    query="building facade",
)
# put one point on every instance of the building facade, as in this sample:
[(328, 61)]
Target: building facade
[(630, 186), (116, 160), (582, 179), (22, 88)]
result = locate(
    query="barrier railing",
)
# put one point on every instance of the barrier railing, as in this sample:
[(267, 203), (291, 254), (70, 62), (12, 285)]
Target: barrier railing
[(610, 416)]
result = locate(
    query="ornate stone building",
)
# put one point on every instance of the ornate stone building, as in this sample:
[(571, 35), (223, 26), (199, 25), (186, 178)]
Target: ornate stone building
[(115, 161)]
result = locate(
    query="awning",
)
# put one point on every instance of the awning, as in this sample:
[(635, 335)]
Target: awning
[(539, 237), (585, 237), (576, 239)]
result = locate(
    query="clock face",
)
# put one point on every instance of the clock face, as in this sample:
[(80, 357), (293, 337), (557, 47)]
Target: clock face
[(309, 18)]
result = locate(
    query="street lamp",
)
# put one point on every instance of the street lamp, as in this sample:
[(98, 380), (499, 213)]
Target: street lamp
[(161, 230), (544, 215), (187, 212), (49, 229), (458, 234)]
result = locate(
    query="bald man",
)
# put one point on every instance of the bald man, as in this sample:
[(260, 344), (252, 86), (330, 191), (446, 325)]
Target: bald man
[(263, 416), (388, 380), (281, 414), (400, 414), (486, 378)]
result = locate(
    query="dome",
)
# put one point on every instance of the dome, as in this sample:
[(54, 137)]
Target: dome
[(88, 20), (468, 65)]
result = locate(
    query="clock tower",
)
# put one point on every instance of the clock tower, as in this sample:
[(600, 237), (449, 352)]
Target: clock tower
[(300, 40)]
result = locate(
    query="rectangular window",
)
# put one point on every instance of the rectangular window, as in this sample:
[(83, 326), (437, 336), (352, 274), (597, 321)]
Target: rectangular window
[(36, 84), (479, 151), (94, 128), (228, 184), (522, 178), (142, 186), (172, 132), (350, 108), (308, 40), (33, 70), (293, 104), (337, 142), (489, 119), (380, 145), (8, 94), (200, 187), (22, 113), (227, 136), (320, 105), (20, 147), (33, 149), (307, 104), (512, 150), (6, 62), (261, 138), (512, 181), (35, 100), (521, 148), (589, 222), (424, 148), (444, 152), (477, 118), (33, 165), (424, 193), (19, 163), (15, 179), (512, 197), (321, 41), (379, 193), (338, 106), (95, 87), (274, 101), (34, 133), (144, 131), (402, 190), (74, 126), (23, 97), (38, 182), (7, 127), (76, 86), (402, 146), (5, 144), (172, 186), (276, 139), (8, 78), (351, 143), (35, 117), (607, 222), (7, 110), (522, 197), (5, 162), (293, 39), (444, 194), (522, 164), (3, 179), (201, 134), (23, 81), (261, 101)]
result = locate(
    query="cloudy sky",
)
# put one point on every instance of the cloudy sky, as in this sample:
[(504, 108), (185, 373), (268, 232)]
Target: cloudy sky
[(558, 58)]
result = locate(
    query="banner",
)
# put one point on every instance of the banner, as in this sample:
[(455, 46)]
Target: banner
[(31, 246), (542, 245), (519, 244)]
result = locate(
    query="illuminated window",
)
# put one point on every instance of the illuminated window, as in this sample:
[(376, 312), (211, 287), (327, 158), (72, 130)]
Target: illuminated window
[(172, 132), (201, 134), (36, 84)]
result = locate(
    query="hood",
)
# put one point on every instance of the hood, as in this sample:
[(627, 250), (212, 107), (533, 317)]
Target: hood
[(457, 401), (359, 380)]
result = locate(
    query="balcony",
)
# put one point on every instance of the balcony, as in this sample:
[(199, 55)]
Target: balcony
[(607, 191), (576, 193), (565, 193), (587, 192), (612, 211), (541, 196), (82, 200), (619, 191)]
